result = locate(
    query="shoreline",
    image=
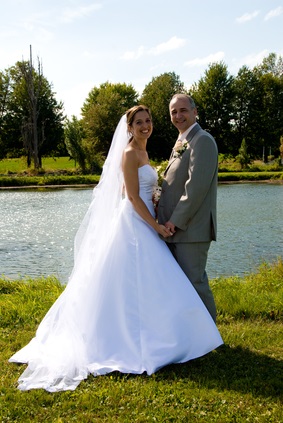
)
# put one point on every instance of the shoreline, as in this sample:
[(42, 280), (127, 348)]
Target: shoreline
[(50, 186), (78, 186)]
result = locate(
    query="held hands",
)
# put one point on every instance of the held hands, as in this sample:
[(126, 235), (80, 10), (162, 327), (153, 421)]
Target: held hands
[(169, 225), (165, 232)]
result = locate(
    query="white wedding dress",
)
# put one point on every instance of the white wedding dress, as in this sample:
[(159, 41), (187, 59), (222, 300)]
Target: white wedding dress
[(133, 310)]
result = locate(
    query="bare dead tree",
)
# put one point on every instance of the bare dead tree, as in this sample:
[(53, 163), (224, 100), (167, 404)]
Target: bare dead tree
[(27, 135), (30, 125)]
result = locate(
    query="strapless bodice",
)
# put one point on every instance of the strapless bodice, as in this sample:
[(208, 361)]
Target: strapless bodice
[(147, 180)]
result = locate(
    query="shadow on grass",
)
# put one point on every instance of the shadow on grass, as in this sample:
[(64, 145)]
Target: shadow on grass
[(236, 369)]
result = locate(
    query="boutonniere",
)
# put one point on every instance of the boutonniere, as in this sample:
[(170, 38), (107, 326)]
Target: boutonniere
[(179, 148)]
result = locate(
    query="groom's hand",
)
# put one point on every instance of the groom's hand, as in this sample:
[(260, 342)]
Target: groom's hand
[(169, 225), (164, 232)]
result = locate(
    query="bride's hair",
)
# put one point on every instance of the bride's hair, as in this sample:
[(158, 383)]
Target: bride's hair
[(131, 113)]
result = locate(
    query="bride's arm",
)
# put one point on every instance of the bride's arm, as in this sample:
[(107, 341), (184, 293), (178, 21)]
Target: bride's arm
[(130, 171)]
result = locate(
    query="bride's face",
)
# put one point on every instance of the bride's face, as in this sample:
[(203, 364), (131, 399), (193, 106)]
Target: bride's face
[(142, 125)]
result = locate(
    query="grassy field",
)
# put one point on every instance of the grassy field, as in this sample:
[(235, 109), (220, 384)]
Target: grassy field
[(63, 171), (10, 166), (242, 381), (53, 165)]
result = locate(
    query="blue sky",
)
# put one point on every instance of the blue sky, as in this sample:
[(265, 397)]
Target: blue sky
[(84, 43)]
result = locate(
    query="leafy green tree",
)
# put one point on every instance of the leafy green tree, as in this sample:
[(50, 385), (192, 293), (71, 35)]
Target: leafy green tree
[(281, 150), (5, 92), (248, 111), (4, 95), (243, 158), (73, 140), (101, 112), (272, 64), (157, 95), (270, 73), (11, 120), (214, 95)]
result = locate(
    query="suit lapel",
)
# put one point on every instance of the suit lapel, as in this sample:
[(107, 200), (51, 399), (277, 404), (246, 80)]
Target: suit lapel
[(171, 160), (193, 132), (189, 138)]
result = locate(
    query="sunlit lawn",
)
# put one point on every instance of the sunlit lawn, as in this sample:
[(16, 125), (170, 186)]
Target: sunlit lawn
[(242, 381), (48, 163)]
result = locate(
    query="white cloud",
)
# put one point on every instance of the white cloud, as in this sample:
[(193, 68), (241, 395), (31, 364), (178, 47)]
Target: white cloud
[(69, 15), (133, 55), (274, 13), (247, 17), (211, 58), (172, 44), (254, 59)]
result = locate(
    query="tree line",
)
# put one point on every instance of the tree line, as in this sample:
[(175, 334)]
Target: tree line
[(242, 112)]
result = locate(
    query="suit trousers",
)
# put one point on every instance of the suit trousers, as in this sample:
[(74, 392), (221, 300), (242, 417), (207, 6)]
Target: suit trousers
[(192, 258)]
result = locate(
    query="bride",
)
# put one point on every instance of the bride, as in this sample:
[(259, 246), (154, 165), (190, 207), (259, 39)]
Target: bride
[(128, 306)]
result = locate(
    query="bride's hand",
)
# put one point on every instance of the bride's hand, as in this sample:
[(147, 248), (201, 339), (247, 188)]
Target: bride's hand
[(164, 231)]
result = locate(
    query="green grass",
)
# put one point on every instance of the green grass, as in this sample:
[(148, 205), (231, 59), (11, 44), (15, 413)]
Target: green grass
[(56, 171), (249, 176), (230, 164), (8, 166), (63, 171), (48, 180), (239, 382)]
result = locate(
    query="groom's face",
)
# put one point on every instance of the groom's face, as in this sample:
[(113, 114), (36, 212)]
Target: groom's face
[(182, 114)]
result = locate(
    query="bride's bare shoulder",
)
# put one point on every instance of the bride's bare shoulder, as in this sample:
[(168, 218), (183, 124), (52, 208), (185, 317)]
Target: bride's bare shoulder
[(130, 156)]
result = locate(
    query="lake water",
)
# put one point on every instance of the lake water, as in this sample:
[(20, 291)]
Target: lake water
[(37, 230)]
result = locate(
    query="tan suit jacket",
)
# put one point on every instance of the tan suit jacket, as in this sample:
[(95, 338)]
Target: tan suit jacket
[(188, 197)]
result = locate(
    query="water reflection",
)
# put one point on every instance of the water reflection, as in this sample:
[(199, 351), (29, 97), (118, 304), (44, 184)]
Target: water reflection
[(37, 229), (249, 228)]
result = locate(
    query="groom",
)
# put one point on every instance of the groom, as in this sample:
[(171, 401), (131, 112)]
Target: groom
[(187, 204)]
